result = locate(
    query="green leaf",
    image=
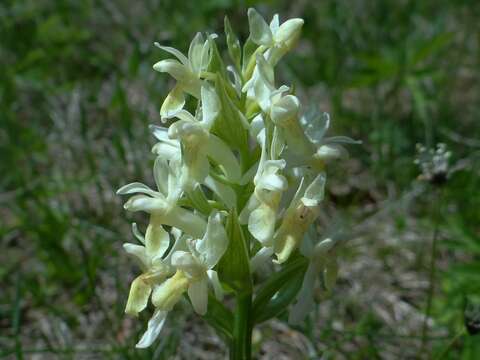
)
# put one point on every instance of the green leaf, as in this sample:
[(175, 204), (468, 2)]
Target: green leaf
[(248, 62), (283, 284), (260, 32), (199, 200), (219, 317), (233, 44), (433, 46), (216, 64), (234, 267), (229, 124), (284, 297)]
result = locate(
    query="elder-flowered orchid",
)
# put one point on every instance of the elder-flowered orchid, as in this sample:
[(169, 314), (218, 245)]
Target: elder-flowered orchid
[(316, 125), (171, 150), (241, 149), (198, 143), (278, 39), (193, 272), (154, 268), (186, 70), (281, 108), (261, 210), (162, 204), (198, 262), (298, 217), (189, 142)]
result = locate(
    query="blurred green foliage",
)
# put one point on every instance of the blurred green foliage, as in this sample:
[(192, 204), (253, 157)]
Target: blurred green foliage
[(76, 95)]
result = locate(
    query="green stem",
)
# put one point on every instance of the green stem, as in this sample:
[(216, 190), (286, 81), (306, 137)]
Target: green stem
[(241, 348), (432, 271), (450, 345)]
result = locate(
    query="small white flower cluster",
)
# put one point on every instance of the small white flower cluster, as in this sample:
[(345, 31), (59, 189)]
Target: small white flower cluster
[(434, 164), (240, 143)]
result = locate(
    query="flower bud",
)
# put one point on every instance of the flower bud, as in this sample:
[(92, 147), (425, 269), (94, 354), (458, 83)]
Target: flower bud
[(289, 32), (285, 110)]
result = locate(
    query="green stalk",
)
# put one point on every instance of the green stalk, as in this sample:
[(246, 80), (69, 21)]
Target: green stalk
[(432, 268), (241, 347), (451, 344)]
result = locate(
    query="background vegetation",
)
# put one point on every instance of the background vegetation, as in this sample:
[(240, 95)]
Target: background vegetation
[(76, 95)]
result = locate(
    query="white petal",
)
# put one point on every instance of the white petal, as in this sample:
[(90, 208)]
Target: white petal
[(179, 245), (145, 203), (166, 151), (221, 153), (139, 253), (186, 117), (260, 32), (316, 125), (210, 105), (207, 52), (266, 72), (217, 286), (285, 109), (157, 239), (278, 143), (173, 103), (298, 194), (272, 182), (137, 233), (198, 293), (261, 224), (237, 81), (136, 187), (160, 132), (178, 71), (178, 54), (160, 173), (189, 222), (275, 23), (331, 152), (138, 296), (289, 31), (155, 325), (341, 140), (185, 261), (257, 125), (315, 192), (195, 52), (215, 241)]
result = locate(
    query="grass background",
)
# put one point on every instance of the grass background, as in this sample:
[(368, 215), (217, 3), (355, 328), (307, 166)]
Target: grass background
[(77, 92)]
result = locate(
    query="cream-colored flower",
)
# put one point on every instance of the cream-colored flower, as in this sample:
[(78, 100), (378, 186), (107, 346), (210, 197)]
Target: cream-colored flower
[(193, 266), (186, 70), (260, 212), (196, 265), (279, 39), (298, 217), (162, 204), (154, 269)]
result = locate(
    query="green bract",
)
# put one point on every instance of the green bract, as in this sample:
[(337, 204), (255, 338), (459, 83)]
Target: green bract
[(240, 177)]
